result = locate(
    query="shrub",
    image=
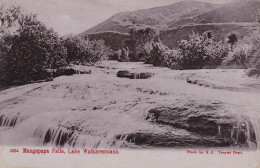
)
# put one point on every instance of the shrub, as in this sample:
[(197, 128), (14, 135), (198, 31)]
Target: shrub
[(255, 61), (82, 51), (172, 59), (28, 49), (115, 55), (124, 55), (200, 51), (156, 55), (240, 56), (140, 42), (246, 53), (77, 50), (99, 50)]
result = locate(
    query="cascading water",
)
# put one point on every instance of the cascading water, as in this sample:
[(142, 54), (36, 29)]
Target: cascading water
[(253, 139), (100, 110), (10, 119)]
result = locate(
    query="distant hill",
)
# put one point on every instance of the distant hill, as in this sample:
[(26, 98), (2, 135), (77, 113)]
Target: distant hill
[(179, 20), (236, 11), (159, 17)]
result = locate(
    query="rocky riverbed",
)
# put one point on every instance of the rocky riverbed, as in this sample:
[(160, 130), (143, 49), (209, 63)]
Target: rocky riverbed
[(133, 105)]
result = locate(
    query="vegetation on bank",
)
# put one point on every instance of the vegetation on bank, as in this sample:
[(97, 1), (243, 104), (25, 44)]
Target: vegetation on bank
[(29, 50), (197, 52)]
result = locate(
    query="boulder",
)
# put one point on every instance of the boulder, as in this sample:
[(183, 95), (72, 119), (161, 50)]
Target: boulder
[(67, 72), (254, 72), (127, 74)]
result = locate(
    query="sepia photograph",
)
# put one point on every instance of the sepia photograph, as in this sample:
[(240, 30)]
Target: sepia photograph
[(98, 77)]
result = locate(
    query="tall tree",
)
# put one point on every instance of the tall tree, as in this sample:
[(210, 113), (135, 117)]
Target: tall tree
[(140, 42), (31, 50)]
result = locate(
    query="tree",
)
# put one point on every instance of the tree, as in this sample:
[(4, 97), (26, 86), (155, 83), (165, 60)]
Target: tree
[(124, 55), (77, 51), (8, 17), (30, 51), (258, 16), (156, 54), (140, 42), (172, 59), (232, 39), (99, 51), (84, 51)]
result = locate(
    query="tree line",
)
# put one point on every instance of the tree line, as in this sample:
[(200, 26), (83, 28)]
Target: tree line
[(28, 48), (197, 52)]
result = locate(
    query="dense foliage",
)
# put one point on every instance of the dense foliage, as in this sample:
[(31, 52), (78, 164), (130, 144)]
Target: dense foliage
[(140, 43), (29, 49), (84, 51), (245, 53), (201, 51), (198, 51)]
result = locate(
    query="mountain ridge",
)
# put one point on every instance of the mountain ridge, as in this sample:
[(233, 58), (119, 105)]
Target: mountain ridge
[(157, 17), (238, 15), (235, 11)]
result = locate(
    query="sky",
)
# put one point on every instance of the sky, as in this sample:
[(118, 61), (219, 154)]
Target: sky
[(76, 16)]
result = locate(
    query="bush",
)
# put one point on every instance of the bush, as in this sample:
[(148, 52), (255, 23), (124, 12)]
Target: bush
[(255, 61), (140, 42), (240, 57), (99, 51), (172, 59), (200, 51), (245, 54), (28, 49), (77, 50), (156, 55), (83, 52), (124, 55)]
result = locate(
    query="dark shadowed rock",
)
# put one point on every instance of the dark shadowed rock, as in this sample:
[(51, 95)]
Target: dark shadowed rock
[(206, 121), (123, 74), (171, 140), (67, 72), (145, 75), (127, 74), (254, 72)]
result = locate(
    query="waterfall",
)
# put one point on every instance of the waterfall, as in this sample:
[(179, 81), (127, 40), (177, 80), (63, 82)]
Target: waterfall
[(244, 134), (10, 119)]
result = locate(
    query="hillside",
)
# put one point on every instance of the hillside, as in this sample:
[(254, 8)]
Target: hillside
[(179, 20), (159, 17), (236, 11)]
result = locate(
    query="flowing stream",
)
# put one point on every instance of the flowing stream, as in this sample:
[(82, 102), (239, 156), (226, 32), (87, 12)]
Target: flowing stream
[(100, 110)]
